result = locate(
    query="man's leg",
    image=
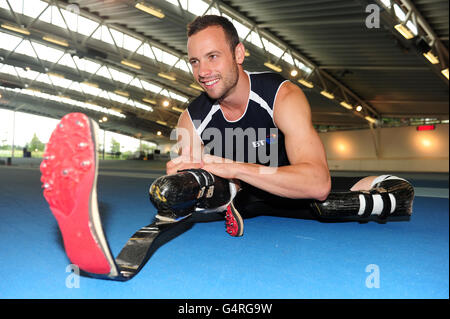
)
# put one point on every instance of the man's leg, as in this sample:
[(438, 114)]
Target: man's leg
[(69, 178), (369, 197), (178, 195)]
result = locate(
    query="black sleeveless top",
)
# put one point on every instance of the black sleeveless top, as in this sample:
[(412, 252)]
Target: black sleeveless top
[(254, 137)]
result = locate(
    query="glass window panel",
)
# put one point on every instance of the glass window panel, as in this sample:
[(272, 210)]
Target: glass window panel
[(411, 26), (86, 26), (75, 86), (197, 7), (33, 8), (43, 78), (136, 83), (67, 60), (147, 51), (399, 12), (158, 53), (91, 66), (25, 48), (120, 76), (118, 37), (97, 34), (47, 15), (182, 65), (57, 18), (104, 95), (46, 53), (90, 89), (131, 43), (117, 98), (288, 58), (174, 2), (61, 82), (71, 19), (8, 69), (184, 4), (151, 87), (17, 5), (103, 71), (4, 5), (255, 39), (8, 41), (213, 11), (30, 75), (168, 58), (106, 36), (272, 48)]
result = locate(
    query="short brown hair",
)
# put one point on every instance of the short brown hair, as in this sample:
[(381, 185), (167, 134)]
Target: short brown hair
[(202, 22)]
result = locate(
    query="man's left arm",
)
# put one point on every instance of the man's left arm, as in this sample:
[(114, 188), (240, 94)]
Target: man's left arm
[(308, 175)]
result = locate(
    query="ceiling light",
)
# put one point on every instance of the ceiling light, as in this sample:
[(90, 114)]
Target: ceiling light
[(149, 101), (60, 42), (56, 75), (133, 65), (104, 119), (177, 109), (359, 108), (94, 85), (123, 93), (158, 133), (328, 95), (150, 10), (161, 122), (445, 73), (306, 83), (274, 67), (346, 105), (165, 103), (431, 57), (370, 119), (294, 73), (404, 31), (166, 76), (247, 52), (15, 29), (196, 86)]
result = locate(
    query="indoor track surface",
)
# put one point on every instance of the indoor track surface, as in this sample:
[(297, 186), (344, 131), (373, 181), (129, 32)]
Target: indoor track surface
[(277, 258)]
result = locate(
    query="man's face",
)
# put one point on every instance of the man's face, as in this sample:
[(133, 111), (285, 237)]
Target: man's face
[(213, 64)]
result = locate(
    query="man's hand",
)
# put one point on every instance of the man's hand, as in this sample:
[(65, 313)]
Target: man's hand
[(222, 167), (185, 161)]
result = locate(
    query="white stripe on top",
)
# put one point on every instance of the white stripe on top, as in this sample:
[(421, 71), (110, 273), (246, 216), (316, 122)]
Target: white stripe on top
[(207, 119)]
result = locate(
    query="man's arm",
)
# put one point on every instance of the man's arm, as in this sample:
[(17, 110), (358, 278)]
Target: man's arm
[(308, 175), (189, 144)]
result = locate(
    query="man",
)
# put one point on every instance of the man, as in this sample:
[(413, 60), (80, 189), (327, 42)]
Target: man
[(238, 100), (247, 145)]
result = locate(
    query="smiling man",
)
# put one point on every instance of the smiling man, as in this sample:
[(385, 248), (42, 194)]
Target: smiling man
[(254, 132), (247, 146)]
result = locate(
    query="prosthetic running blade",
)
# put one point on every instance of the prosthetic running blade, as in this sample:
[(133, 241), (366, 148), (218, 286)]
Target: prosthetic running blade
[(69, 178)]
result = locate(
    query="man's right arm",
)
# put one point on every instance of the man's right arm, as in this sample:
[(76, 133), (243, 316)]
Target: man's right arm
[(190, 146)]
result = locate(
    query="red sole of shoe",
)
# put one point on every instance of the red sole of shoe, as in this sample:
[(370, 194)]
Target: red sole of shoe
[(69, 171), (237, 228)]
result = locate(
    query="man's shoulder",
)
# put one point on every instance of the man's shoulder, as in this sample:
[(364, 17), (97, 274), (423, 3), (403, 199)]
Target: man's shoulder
[(268, 76), (200, 106)]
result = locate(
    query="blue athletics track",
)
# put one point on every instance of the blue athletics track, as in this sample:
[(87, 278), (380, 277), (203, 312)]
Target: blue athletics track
[(277, 258)]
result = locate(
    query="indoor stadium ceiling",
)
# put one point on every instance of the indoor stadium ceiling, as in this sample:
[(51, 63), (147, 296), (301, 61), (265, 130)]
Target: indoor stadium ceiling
[(124, 59)]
